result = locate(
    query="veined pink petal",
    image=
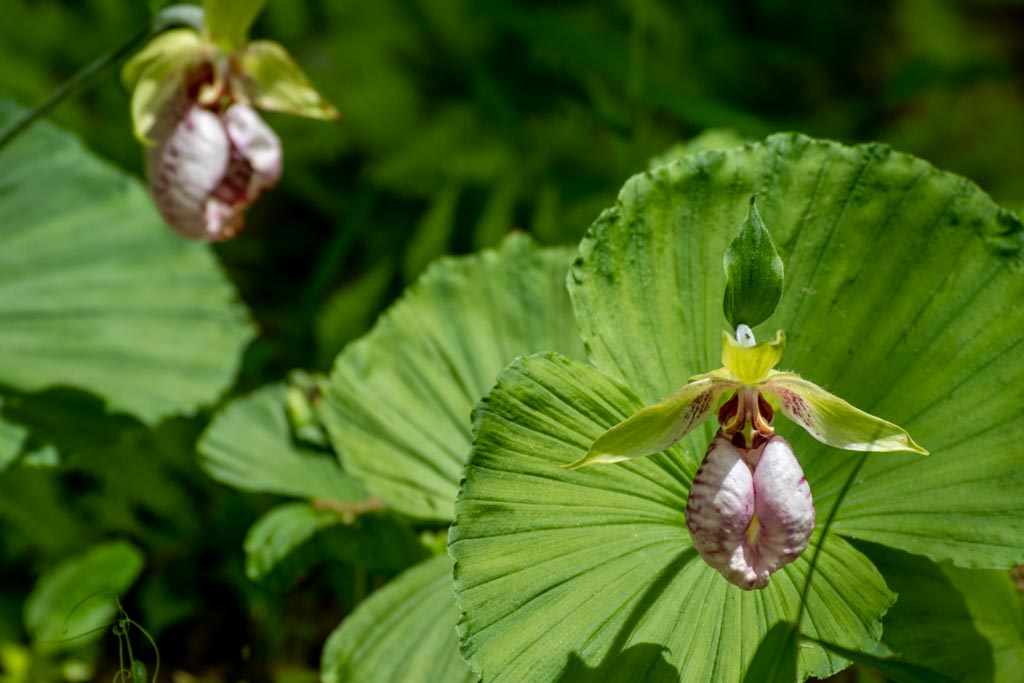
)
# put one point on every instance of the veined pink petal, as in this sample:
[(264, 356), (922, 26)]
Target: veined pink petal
[(783, 506), (207, 169), (719, 511), (188, 162), (749, 511)]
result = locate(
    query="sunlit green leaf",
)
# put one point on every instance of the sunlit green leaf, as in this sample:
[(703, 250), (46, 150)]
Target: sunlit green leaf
[(403, 632), (249, 445), (902, 285), (558, 567), (915, 325), (77, 596), (97, 294), (399, 399)]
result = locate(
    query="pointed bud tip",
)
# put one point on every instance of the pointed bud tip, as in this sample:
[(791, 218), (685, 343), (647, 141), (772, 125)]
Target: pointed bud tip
[(754, 273)]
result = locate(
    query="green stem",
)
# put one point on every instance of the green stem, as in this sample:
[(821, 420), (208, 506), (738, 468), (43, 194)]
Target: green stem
[(175, 15), (824, 534), (76, 83)]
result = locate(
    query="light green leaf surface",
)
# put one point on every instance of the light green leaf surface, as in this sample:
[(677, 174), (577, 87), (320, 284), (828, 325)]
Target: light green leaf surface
[(55, 611), (97, 294), (564, 574), (297, 535), (966, 623), (249, 445), (399, 400), (902, 297), (403, 632)]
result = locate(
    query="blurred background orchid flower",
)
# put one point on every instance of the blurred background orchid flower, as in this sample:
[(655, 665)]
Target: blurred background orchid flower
[(209, 155)]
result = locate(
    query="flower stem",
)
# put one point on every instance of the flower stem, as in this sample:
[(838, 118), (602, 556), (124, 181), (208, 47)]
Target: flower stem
[(175, 15), (824, 534), (76, 83)]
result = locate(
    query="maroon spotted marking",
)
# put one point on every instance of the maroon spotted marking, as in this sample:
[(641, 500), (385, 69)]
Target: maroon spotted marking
[(796, 408)]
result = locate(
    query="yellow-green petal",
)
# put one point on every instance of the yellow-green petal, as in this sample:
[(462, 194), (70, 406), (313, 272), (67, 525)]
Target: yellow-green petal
[(228, 21), (269, 78), (156, 72), (832, 420), (656, 427), (751, 364)]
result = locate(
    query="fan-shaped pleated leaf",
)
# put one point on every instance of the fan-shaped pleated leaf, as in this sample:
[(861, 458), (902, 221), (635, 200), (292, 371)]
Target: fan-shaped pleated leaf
[(399, 399), (560, 573), (403, 632), (249, 445), (97, 294), (902, 296)]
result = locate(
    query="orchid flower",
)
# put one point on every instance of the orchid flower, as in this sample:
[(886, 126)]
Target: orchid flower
[(209, 155), (749, 510)]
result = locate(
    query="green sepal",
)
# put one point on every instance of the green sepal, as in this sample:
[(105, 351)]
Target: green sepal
[(271, 80), (655, 428), (228, 21), (833, 421), (156, 73), (753, 273)]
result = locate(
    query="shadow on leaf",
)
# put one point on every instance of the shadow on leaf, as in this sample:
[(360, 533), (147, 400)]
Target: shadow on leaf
[(640, 662)]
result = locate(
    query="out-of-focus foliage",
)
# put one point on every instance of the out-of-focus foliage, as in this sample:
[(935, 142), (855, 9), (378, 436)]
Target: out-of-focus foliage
[(460, 121)]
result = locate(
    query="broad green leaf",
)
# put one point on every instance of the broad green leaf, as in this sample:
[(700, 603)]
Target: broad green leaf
[(562, 573), (753, 273), (301, 535), (967, 623), (399, 399), (96, 294), (76, 596), (403, 632), (271, 80), (902, 291), (249, 445)]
